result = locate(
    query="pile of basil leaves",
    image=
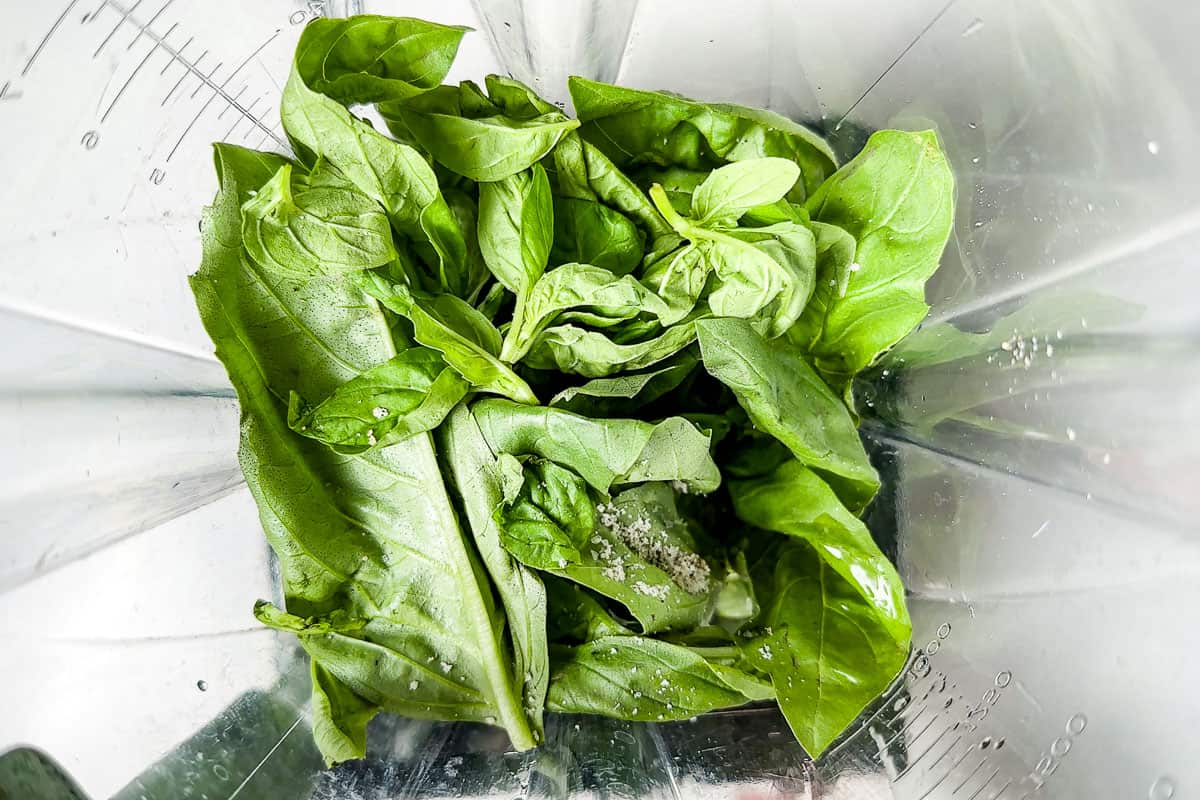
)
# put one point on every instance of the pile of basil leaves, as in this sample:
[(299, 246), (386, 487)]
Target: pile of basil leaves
[(552, 414)]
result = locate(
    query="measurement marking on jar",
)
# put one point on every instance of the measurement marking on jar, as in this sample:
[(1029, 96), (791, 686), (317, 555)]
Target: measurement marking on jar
[(5, 94), (189, 68), (37, 51), (117, 27), (219, 91), (241, 119), (142, 30), (932, 745), (970, 775), (237, 96), (134, 74), (206, 80), (948, 772), (902, 731), (192, 68), (986, 783)]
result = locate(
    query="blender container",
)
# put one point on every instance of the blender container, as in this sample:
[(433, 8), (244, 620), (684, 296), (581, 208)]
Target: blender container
[(1038, 436)]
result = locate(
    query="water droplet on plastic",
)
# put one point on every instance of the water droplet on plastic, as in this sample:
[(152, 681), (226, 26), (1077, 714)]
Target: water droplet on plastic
[(202, 685), (972, 125), (975, 160), (1162, 789), (1152, 147), (986, 743), (973, 28)]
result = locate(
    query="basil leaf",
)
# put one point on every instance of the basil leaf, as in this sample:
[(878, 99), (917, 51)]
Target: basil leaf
[(829, 652), (680, 278), (729, 192), (575, 286), (575, 614), (785, 397), (473, 473), (316, 224), (410, 393), (793, 500), (340, 717), (623, 395), (550, 520), (516, 227), (466, 339), (604, 452), (633, 126), (835, 257), (352, 534), (369, 59), (631, 550), (488, 148), (466, 217), (585, 173), (569, 348), (516, 100), (393, 174), (586, 232), (639, 678), (896, 198)]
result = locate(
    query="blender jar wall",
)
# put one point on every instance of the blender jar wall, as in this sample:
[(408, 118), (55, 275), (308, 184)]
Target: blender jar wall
[(1043, 510)]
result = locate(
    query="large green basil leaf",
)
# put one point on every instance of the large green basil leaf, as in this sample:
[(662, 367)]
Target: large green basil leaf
[(393, 174), (369, 544), (516, 228), (371, 59), (304, 226), (793, 500), (473, 473), (634, 126), (587, 232), (730, 191), (605, 452), (639, 678), (411, 393), (569, 348), (785, 397), (828, 651), (466, 215), (487, 148), (574, 286), (896, 198), (466, 338)]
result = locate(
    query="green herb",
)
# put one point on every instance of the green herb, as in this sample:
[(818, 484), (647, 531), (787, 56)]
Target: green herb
[(691, 285)]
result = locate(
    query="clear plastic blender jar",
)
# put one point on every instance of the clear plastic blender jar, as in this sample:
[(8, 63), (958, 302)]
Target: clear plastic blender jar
[(1038, 436)]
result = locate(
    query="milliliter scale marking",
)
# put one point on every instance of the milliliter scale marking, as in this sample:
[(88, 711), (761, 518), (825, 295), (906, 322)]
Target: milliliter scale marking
[(220, 91), (983, 779)]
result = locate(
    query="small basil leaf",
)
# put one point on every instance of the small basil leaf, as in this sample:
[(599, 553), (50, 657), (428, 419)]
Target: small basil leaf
[(465, 338), (623, 395), (604, 452), (516, 100), (551, 518), (590, 233), (340, 718), (786, 398), (370, 59), (639, 678), (729, 192), (569, 348), (410, 393), (516, 227), (488, 148), (318, 224), (575, 286)]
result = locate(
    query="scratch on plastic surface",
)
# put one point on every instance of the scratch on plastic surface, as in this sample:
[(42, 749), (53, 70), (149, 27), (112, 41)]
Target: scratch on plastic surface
[(1041, 529)]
